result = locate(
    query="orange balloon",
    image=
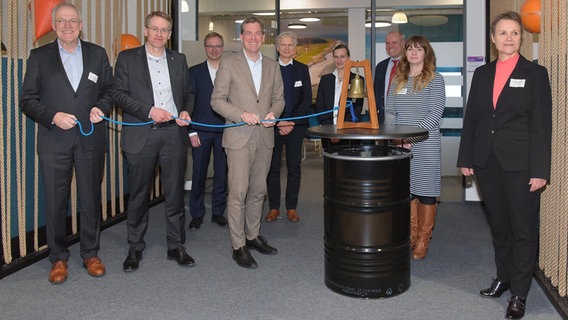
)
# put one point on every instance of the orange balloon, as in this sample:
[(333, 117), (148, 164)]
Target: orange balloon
[(128, 41), (42, 13), (530, 16)]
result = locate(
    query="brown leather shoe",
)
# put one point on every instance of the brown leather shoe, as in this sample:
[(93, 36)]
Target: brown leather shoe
[(293, 215), (94, 266), (58, 273), (272, 215)]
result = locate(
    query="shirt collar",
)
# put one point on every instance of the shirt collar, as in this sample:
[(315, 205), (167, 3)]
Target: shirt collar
[(282, 64), (250, 60), (61, 47)]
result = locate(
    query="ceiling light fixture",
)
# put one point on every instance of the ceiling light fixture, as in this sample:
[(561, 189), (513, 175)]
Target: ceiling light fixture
[(263, 13), (310, 19), (239, 21), (429, 20), (378, 24), (297, 26), (399, 17)]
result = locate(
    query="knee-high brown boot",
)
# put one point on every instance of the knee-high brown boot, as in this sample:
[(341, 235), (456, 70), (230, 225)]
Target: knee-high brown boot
[(413, 222), (426, 220)]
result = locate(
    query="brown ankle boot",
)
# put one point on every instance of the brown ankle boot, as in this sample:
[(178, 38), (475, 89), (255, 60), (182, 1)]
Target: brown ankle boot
[(413, 222), (426, 220), (272, 215)]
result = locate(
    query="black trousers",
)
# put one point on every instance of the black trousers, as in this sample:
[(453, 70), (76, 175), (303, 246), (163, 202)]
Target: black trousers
[(57, 173), (210, 141), (513, 217), (164, 147), (293, 143)]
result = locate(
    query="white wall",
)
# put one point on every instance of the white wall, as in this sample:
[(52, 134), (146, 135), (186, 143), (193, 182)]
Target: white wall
[(475, 41)]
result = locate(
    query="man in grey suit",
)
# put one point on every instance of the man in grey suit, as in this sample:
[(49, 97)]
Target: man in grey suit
[(68, 81), (248, 88), (152, 82)]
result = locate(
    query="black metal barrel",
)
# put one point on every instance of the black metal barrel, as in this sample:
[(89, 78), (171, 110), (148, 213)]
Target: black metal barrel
[(367, 220)]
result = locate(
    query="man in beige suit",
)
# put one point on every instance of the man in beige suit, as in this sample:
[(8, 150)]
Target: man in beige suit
[(248, 88)]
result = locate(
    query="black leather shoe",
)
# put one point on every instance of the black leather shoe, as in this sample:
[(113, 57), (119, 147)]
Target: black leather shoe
[(182, 258), (495, 290), (243, 258), (132, 260), (516, 309), (195, 223), (259, 244), (220, 220)]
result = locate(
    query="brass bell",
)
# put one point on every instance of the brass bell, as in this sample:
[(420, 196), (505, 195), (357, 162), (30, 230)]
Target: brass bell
[(357, 88)]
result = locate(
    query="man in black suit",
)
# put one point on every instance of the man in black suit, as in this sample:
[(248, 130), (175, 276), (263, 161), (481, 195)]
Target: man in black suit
[(152, 82), (289, 134), (385, 70), (204, 139), (67, 82)]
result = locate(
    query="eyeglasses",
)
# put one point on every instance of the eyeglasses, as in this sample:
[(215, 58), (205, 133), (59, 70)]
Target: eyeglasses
[(213, 47), (158, 30), (62, 22)]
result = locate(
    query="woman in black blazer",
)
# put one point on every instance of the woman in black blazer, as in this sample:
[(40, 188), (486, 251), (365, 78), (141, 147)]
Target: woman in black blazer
[(326, 96), (506, 143)]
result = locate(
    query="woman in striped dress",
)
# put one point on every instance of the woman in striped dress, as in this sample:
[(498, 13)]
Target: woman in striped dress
[(417, 98)]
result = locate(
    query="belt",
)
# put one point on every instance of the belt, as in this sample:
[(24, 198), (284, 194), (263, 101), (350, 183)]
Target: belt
[(158, 125)]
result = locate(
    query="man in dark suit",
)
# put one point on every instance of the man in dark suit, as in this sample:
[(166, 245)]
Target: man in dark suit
[(298, 102), (385, 70), (152, 82), (248, 88), (68, 81), (204, 139)]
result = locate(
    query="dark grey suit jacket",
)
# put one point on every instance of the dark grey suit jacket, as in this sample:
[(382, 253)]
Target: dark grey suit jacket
[(46, 90), (133, 93)]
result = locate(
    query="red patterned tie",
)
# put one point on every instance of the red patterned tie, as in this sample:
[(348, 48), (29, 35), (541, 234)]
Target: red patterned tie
[(393, 71)]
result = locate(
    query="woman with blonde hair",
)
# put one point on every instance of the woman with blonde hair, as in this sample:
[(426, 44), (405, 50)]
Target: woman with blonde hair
[(417, 97)]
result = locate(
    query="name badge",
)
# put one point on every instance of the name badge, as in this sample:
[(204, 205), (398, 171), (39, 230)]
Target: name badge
[(403, 91), (93, 77), (517, 83), (297, 84)]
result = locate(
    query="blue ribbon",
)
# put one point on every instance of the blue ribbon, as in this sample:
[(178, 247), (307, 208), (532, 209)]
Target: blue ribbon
[(349, 105)]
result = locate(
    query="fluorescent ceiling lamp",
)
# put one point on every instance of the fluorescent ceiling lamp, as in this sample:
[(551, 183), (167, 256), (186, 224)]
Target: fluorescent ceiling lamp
[(310, 19), (263, 13), (239, 21), (297, 26), (399, 17), (378, 24)]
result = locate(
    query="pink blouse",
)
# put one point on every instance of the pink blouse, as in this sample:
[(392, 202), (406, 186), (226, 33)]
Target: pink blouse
[(502, 73)]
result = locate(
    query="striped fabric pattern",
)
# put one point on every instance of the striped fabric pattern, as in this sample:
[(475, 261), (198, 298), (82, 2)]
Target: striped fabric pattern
[(423, 109)]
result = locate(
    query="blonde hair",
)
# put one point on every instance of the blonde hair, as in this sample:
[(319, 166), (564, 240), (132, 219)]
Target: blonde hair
[(428, 70)]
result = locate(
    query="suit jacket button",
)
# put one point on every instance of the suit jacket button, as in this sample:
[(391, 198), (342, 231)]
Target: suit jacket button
[(492, 131)]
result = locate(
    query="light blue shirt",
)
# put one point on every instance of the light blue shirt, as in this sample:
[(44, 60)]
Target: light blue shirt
[(256, 71), (161, 85), (73, 64)]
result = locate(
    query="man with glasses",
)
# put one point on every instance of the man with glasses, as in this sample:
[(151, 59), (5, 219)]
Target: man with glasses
[(67, 82), (152, 83), (204, 139)]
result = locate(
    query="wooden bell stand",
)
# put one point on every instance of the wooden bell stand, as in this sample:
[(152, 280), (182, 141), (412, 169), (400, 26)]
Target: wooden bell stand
[(374, 123)]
